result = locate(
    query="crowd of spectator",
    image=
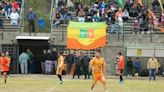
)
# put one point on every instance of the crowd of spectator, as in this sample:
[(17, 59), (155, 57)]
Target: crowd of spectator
[(109, 12), (10, 9)]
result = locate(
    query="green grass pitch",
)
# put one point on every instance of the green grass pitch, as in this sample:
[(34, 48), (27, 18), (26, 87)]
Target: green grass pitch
[(51, 84)]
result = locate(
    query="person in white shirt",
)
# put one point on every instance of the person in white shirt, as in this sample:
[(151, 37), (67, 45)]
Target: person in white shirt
[(14, 16)]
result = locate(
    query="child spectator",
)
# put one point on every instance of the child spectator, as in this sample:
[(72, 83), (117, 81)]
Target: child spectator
[(136, 27), (41, 24)]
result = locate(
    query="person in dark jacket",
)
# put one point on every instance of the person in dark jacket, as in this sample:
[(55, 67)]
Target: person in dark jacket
[(31, 20), (48, 62), (137, 65), (85, 64), (43, 61), (69, 61), (129, 67), (78, 64), (54, 59)]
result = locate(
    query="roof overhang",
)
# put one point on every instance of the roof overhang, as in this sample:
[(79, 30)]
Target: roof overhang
[(32, 37)]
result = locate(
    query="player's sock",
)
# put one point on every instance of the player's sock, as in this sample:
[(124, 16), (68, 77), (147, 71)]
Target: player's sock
[(5, 81)]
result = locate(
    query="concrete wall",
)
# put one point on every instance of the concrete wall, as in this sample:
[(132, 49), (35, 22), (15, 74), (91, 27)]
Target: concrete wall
[(116, 43)]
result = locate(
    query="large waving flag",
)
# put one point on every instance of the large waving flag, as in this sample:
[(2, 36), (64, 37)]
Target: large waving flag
[(120, 2), (86, 36)]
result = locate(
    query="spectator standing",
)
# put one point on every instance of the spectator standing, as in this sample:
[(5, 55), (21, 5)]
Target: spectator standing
[(14, 16), (8, 9), (153, 67), (31, 61), (78, 64), (129, 67), (43, 61), (31, 20), (41, 24), (112, 16), (48, 62), (54, 58), (119, 15), (85, 65), (102, 8), (70, 59), (137, 66), (23, 60)]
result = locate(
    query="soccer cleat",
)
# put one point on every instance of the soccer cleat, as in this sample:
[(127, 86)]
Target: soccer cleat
[(121, 82), (61, 82), (5, 81)]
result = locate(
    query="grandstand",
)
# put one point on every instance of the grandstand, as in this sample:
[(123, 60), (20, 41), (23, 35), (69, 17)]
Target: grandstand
[(17, 38)]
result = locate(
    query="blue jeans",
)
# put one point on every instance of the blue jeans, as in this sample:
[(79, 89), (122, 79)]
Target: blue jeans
[(152, 73), (120, 29), (113, 28)]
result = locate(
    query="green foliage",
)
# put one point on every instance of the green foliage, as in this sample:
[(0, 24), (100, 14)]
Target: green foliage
[(42, 9)]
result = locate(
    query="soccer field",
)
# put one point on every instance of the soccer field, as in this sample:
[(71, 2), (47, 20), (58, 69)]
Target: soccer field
[(51, 84)]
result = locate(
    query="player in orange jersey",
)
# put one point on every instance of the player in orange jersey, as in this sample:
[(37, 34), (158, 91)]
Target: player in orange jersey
[(98, 69), (60, 66), (4, 65)]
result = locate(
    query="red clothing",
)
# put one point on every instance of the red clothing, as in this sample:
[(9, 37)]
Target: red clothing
[(121, 62), (15, 5), (4, 64)]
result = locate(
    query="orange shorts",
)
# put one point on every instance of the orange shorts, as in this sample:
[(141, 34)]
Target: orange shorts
[(99, 77)]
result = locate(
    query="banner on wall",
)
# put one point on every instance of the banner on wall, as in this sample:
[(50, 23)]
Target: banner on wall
[(86, 36)]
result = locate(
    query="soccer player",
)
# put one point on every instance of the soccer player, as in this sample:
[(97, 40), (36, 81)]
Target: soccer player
[(60, 66), (121, 62), (4, 65), (98, 69)]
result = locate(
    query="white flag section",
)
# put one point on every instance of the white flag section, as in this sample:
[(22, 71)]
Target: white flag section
[(145, 51)]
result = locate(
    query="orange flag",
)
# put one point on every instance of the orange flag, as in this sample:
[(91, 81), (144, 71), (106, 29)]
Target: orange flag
[(139, 2)]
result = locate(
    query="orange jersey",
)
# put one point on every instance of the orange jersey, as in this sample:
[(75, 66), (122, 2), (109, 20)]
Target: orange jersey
[(98, 65), (61, 65), (4, 63)]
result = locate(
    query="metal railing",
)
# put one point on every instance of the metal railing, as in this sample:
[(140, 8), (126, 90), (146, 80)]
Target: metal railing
[(21, 21)]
